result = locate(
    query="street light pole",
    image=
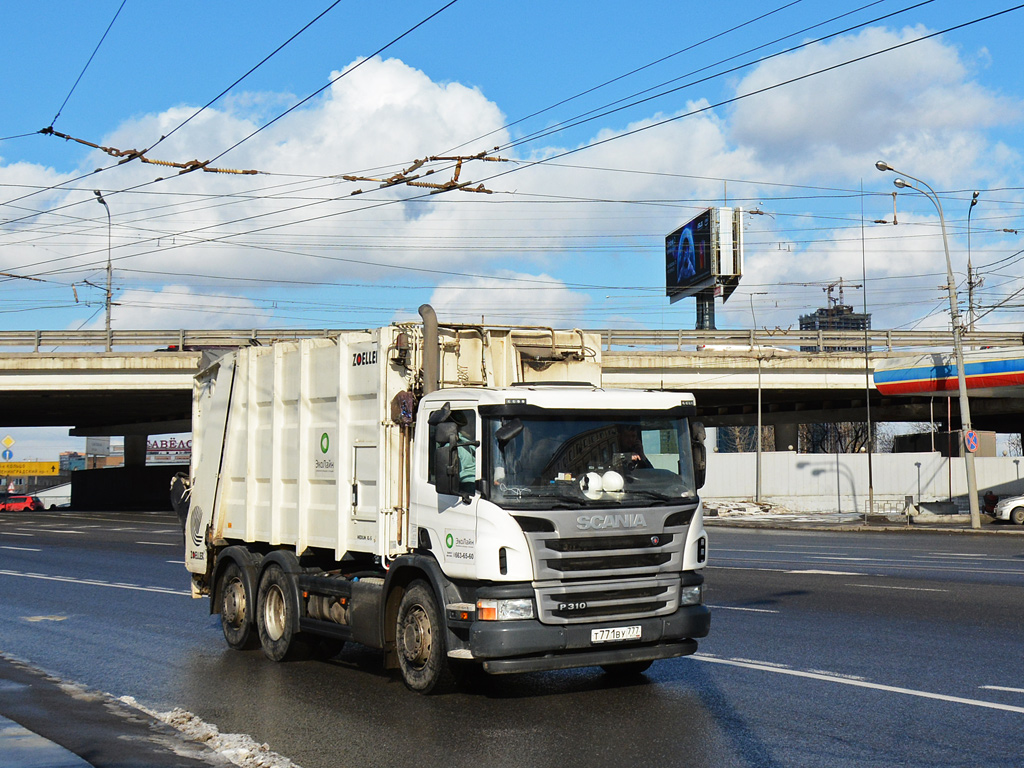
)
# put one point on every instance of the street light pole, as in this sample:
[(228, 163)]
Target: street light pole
[(101, 201), (970, 271), (958, 351)]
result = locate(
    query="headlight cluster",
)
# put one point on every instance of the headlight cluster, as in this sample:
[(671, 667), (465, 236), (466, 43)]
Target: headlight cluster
[(505, 609), (692, 595)]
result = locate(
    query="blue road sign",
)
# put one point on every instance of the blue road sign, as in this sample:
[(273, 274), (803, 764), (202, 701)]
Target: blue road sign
[(971, 440), (8, 454)]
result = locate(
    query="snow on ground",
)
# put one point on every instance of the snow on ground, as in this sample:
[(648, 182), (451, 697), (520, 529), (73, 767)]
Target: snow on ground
[(241, 749)]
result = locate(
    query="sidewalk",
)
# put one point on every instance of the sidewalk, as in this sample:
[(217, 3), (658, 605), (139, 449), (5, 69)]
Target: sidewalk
[(45, 723)]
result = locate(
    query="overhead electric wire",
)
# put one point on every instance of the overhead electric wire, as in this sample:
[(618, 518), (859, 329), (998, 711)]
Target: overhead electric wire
[(275, 119), (390, 202), (610, 107), (87, 63)]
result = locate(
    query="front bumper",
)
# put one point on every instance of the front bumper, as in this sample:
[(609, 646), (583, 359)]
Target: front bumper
[(529, 646)]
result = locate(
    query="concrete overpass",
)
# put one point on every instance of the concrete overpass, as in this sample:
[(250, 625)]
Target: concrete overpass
[(50, 378)]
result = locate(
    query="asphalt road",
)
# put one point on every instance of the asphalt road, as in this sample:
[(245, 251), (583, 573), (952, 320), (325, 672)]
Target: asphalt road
[(826, 649)]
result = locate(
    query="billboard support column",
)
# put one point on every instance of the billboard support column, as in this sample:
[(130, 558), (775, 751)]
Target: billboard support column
[(706, 310)]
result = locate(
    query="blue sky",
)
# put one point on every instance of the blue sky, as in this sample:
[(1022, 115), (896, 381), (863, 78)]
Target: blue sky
[(575, 240)]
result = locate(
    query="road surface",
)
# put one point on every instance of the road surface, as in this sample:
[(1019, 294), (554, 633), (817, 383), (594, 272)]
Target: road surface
[(826, 649)]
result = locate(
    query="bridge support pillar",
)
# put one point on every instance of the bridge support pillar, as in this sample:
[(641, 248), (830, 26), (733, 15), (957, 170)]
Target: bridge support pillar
[(786, 436), (135, 450)]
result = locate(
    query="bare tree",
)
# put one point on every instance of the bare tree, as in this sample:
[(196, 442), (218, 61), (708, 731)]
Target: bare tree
[(841, 437), (744, 439)]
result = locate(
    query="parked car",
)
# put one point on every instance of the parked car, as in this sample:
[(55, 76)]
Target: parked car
[(20, 504), (1011, 508)]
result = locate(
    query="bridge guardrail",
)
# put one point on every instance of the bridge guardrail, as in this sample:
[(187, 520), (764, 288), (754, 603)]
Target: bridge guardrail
[(878, 341)]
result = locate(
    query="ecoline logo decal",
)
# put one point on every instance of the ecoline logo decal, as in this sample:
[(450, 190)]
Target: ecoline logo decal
[(325, 443), (449, 541)]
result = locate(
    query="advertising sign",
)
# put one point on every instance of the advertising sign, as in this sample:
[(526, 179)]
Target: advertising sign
[(688, 262)]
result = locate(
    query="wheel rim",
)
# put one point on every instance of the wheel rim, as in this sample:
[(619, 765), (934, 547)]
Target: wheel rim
[(274, 613), (416, 637), (233, 608)]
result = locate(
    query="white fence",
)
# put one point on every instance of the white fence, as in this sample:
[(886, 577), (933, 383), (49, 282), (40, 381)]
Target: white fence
[(820, 482)]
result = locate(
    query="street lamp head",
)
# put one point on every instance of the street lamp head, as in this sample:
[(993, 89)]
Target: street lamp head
[(883, 166), (900, 184), (99, 197), (974, 199)]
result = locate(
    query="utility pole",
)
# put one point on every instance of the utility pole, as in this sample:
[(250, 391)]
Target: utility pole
[(972, 283), (110, 272)]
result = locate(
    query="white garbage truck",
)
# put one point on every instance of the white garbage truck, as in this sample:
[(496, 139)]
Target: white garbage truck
[(459, 497)]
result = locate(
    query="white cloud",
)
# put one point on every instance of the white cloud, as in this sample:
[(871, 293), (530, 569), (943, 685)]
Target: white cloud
[(176, 307), (916, 103), (917, 107), (510, 298)]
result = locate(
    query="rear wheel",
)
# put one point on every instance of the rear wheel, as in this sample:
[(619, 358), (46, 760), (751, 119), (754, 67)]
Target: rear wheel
[(420, 641), (628, 669), (235, 615), (1017, 516), (277, 614)]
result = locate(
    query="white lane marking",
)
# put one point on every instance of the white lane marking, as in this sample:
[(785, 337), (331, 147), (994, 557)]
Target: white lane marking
[(950, 554), (12, 533), (829, 673), (907, 589), (44, 618), (828, 678), (756, 662), (176, 562), (1001, 688), (23, 549), (726, 607), (881, 564), (53, 530), (854, 559), (746, 568), (95, 583), (159, 543), (827, 573)]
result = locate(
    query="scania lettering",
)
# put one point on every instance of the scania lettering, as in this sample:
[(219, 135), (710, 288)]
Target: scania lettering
[(461, 498)]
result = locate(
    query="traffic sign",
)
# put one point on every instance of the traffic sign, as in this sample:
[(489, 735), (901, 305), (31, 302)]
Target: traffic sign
[(8, 454), (29, 468), (971, 440)]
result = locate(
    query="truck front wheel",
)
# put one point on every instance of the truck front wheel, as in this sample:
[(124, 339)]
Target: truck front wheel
[(277, 614), (420, 641), (235, 615)]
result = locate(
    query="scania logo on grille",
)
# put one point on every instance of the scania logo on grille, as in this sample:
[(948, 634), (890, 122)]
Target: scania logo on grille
[(601, 522)]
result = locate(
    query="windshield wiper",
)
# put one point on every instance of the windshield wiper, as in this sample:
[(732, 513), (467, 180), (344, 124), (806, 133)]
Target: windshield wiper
[(655, 495)]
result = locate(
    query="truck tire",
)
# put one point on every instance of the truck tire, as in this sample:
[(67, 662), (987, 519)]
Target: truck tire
[(236, 619), (277, 614), (1017, 516), (627, 669), (420, 641)]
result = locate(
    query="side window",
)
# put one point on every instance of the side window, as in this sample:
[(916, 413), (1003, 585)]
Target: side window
[(465, 421)]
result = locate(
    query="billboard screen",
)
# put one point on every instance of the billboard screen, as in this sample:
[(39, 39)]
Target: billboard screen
[(688, 257)]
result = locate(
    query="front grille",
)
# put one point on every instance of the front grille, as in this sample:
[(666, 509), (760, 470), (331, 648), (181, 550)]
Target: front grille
[(609, 542), (610, 562), (576, 603)]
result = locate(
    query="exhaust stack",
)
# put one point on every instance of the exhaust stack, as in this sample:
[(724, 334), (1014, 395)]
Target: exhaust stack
[(431, 350)]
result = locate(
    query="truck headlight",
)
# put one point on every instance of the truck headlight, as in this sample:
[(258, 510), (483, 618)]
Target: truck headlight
[(505, 609), (692, 595)]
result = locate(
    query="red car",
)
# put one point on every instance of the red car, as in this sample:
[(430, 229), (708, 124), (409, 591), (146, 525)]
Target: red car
[(20, 504)]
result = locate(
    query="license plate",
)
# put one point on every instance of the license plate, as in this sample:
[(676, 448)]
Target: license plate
[(614, 634)]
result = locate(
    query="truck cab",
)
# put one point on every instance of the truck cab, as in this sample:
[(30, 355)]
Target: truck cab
[(568, 521)]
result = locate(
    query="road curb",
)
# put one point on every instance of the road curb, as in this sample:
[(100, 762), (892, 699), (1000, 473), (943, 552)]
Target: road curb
[(54, 723)]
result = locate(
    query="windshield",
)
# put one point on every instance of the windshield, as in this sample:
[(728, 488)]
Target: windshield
[(586, 460)]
